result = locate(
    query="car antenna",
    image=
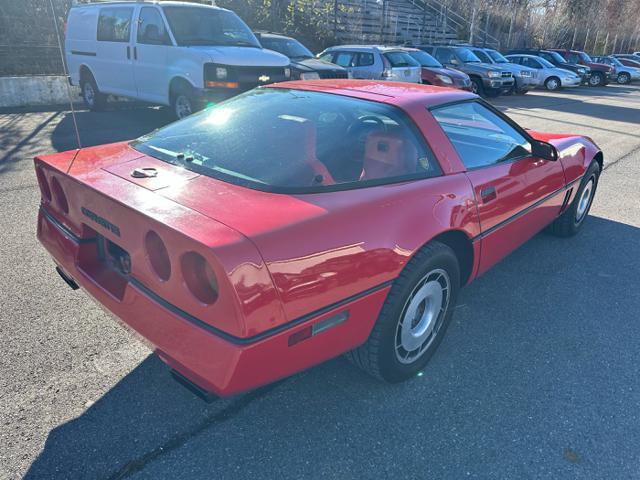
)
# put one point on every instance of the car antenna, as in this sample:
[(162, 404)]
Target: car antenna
[(66, 72)]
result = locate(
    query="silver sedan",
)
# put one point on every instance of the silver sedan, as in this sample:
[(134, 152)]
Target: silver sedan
[(547, 75)]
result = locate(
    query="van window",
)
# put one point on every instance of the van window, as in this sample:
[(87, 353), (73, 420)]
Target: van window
[(114, 24), (151, 29), (208, 26)]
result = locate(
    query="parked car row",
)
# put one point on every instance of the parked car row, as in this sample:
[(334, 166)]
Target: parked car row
[(186, 55)]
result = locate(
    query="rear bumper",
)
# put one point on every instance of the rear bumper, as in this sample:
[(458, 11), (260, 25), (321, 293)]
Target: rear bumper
[(220, 365)]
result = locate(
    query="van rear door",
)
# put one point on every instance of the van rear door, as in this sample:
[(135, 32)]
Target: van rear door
[(113, 65)]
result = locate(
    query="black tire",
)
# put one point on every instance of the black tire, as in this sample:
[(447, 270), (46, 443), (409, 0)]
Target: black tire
[(552, 84), (91, 96), (379, 356), (569, 223), (183, 102), (596, 80), (623, 78), (477, 87)]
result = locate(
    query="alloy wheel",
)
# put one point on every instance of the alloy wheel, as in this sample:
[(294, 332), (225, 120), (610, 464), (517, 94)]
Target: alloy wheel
[(585, 200), (422, 316)]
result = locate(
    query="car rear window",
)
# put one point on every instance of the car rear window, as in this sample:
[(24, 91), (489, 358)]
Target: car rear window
[(400, 59), (294, 141)]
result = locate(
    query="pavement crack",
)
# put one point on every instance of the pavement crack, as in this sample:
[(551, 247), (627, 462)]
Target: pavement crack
[(227, 413)]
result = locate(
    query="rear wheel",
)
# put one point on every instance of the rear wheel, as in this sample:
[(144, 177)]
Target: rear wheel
[(414, 317), (552, 83), (569, 223), (623, 78), (596, 80), (93, 99)]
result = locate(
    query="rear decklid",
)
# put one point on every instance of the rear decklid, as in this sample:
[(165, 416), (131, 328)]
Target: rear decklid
[(118, 218)]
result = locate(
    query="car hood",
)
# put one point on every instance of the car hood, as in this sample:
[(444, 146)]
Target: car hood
[(451, 72), (243, 56), (573, 67), (479, 67), (314, 65), (599, 66), (561, 72)]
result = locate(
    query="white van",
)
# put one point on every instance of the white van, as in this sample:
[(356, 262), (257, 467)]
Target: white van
[(170, 53)]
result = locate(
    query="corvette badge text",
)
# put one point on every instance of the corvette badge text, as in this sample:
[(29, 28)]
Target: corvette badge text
[(101, 221)]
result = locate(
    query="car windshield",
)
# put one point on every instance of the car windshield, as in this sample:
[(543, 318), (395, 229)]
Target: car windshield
[(208, 26), (497, 56), (584, 57), (424, 59), (467, 56), (556, 56), (287, 46), (545, 63), (294, 141)]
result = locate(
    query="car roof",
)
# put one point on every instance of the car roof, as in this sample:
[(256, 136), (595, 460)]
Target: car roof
[(164, 3), (367, 48), (396, 93)]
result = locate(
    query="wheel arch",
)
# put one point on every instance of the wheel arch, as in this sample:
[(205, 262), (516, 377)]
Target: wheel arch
[(462, 246), (598, 157), (176, 82), (84, 71)]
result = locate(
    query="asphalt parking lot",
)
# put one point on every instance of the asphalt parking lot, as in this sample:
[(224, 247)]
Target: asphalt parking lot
[(538, 376)]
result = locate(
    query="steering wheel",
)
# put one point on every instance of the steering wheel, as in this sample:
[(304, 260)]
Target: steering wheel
[(359, 129)]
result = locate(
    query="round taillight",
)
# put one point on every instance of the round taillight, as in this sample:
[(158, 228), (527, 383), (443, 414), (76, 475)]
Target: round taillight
[(58, 194), (44, 185), (199, 277), (157, 255)]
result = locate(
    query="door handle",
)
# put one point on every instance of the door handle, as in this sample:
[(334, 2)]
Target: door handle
[(128, 52), (488, 194)]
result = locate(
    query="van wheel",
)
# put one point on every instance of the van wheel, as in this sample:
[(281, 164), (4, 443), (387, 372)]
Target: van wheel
[(93, 99), (183, 102), (414, 317)]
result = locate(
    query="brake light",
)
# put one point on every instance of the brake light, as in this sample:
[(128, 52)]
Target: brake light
[(157, 255), (199, 278), (44, 185), (60, 197)]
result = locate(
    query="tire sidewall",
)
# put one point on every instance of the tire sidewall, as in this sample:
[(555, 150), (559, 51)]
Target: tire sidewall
[(625, 77), (592, 172), (548, 84), (390, 368), (479, 88), (599, 77)]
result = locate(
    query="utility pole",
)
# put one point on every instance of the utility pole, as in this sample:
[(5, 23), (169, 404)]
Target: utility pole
[(473, 23)]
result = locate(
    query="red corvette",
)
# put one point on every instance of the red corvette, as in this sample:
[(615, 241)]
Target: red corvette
[(304, 220)]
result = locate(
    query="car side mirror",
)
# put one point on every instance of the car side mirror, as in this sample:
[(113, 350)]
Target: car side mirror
[(544, 150)]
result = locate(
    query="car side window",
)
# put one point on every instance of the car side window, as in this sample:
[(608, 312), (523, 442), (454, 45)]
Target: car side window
[(480, 136), (444, 56), (573, 58), (365, 59), (151, 28), (114, 24), (531, 63), (482, 56), (344, 59)]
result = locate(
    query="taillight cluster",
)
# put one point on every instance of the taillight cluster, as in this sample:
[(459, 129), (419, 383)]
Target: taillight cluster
[(197, 274), (52, 191)]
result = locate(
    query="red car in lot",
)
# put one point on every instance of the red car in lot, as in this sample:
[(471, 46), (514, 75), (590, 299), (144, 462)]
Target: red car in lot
[(434, 73), (297, 222), (601, 73)]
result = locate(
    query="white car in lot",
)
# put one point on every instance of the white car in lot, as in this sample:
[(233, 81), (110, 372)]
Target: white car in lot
[(547, 75), (169, 53)]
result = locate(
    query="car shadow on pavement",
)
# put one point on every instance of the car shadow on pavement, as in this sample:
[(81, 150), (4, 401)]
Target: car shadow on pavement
[(539, 349), (118, 124)]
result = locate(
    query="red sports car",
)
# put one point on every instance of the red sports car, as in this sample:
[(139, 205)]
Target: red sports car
[(304, 220)]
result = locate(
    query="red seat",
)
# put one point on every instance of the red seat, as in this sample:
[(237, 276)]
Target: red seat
[(302, 165), (387, 155)]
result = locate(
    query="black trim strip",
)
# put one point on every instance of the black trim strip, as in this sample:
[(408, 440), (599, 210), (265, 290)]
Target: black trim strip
[(65, 230), (261, 336), (85, 54), (522, 212), (205, 326)]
